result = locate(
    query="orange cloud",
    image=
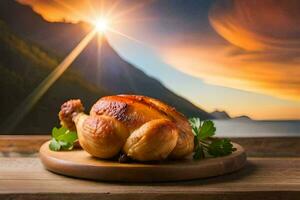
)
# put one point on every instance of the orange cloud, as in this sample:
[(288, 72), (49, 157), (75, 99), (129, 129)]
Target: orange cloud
[(263, 50), (55, 11), (258, 25), (70, 10), (249, 72)]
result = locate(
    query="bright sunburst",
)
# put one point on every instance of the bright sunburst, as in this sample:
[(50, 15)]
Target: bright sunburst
[(101, 25)]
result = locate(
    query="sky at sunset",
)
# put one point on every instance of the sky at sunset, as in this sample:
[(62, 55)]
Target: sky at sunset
[(236, 55)]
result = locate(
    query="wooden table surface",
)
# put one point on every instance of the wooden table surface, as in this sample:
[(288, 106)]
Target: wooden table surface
[(268, 177)]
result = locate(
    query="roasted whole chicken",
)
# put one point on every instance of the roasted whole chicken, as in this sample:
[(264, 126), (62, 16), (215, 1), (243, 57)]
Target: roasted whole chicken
[(145, 129)]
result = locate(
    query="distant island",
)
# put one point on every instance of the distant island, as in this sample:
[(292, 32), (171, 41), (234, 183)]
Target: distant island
[(242, 117), (224, 115)]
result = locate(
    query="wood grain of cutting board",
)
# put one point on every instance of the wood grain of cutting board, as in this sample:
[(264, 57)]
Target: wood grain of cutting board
[(78, 163)]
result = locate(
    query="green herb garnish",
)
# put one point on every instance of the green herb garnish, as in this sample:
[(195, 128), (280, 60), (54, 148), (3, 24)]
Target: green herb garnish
[(205, 143), (62, 139)]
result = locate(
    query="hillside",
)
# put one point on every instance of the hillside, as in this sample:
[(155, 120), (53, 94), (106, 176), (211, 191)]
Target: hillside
[(22, 67)]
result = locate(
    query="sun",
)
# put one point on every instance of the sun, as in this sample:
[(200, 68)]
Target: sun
[(101, 25)]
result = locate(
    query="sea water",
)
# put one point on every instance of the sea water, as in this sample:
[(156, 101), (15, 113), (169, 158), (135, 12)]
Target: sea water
[(251, 128)]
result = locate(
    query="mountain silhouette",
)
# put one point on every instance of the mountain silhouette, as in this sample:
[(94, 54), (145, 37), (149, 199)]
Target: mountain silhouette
[(110, 73)]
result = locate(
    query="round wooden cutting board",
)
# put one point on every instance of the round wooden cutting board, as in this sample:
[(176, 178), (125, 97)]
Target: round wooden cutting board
[(78, 163)]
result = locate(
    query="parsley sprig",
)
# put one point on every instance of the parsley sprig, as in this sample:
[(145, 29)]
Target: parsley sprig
[(205, 143), (62, 139)]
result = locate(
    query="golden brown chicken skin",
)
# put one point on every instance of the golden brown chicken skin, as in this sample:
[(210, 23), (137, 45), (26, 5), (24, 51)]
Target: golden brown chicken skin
[(142, 127)]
